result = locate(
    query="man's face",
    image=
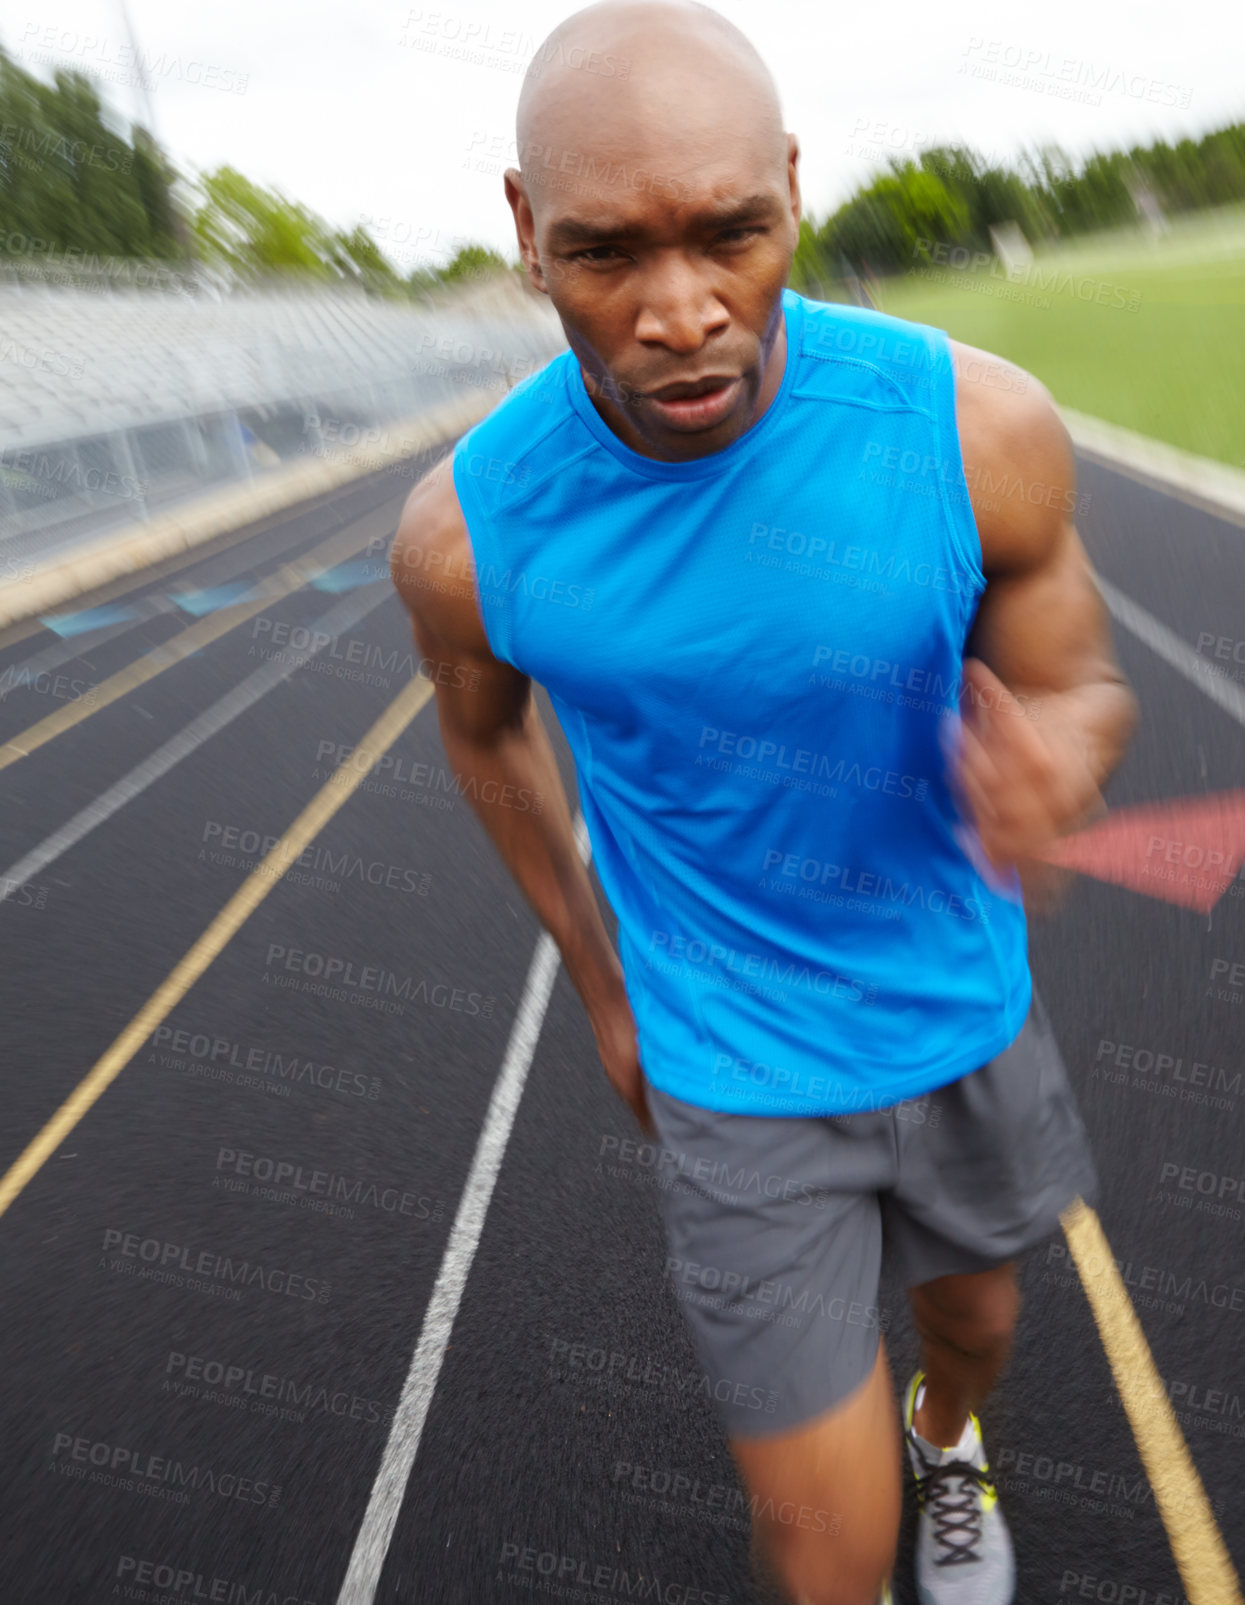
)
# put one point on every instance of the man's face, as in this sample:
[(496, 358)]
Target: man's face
[(667, 278)]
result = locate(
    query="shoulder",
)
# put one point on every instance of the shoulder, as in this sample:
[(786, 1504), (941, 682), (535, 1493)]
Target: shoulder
[(431, 560), (1018, 460)]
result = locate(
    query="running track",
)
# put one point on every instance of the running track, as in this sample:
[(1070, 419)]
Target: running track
[(568, 1393)]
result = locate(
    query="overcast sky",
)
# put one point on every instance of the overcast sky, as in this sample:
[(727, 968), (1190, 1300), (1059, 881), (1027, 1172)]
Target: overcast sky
[(365, 111)]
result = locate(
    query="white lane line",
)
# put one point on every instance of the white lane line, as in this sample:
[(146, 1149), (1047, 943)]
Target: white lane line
[(372, 1544), (199, 730), (1167, 645)]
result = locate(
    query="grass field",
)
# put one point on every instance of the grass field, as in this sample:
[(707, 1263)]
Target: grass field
[(1145, 333)]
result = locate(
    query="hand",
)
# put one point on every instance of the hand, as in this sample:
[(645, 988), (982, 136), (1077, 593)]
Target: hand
[(1024, 773), (614, 1029)]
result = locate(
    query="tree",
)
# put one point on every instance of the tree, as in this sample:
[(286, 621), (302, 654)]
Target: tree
[(69, 179), (257, 231)]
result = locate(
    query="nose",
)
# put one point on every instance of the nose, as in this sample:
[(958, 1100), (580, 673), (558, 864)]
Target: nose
[(678, 308)]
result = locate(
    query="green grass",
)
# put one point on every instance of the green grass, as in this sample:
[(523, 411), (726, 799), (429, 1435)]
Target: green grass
[(1174, 368)]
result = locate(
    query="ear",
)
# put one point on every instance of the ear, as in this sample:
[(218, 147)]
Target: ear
[(793, 179), (525, 227)]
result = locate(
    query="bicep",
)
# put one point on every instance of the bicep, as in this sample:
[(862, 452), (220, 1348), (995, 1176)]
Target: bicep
[(1043, 625), (480, 697), (1041, 622)]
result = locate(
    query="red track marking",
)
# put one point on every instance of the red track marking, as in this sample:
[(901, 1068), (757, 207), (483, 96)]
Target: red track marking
[(1187, 851)]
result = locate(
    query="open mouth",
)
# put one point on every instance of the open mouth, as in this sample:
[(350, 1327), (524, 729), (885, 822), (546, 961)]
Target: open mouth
[(698, 403)]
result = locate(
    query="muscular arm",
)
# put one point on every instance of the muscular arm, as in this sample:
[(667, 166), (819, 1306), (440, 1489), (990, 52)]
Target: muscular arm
[(493, 736), (1048, 712)]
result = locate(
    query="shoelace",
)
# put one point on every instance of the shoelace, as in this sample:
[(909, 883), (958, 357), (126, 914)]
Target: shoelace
[(956, 1511)]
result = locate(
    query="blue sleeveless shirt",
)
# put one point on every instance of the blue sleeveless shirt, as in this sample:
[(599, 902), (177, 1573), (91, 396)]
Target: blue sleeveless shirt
[(753, 656)]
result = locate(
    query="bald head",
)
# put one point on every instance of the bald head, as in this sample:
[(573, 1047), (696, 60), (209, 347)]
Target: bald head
[(656, 203), (642, 82)]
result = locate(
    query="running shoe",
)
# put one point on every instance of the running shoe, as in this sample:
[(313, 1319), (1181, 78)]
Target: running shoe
[(963, 1548)]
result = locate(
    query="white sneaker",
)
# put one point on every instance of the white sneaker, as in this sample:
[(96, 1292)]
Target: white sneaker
[(963, 1548)]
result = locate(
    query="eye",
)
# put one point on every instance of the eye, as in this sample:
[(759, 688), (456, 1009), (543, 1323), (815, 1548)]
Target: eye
[(737, 236), (592, 254)]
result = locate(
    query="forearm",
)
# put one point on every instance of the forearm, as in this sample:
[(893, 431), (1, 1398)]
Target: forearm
[(512, 782)]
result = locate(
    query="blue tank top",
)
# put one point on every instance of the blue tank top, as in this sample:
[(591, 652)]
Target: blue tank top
[(752, 656)]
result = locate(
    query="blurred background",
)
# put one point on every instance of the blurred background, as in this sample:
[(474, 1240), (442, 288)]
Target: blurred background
[(257, 273), (214, 230)]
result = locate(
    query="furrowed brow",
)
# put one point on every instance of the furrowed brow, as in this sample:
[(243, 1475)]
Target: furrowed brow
[(568, 232)]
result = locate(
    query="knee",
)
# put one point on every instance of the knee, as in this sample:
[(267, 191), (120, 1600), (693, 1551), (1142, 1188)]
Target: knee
[(976, 1322)]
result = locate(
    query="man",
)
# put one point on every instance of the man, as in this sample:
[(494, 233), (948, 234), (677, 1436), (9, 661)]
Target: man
[(802, 585)]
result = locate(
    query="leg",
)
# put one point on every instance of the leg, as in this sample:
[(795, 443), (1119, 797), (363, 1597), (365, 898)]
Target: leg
[(966, 1324), (826, 1496)]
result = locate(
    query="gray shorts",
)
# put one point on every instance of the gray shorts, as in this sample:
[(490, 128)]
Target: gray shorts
[(776, 1225)]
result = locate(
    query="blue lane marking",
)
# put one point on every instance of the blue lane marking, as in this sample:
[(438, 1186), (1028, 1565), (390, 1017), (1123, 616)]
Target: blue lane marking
[(216, 596), (346, 576), (94, 618)]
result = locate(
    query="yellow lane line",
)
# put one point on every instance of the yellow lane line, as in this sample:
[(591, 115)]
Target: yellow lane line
[(1199, 1550), (236, 911), (288, 578)]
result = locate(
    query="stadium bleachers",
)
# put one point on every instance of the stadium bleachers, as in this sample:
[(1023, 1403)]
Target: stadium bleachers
[(117, 402)]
